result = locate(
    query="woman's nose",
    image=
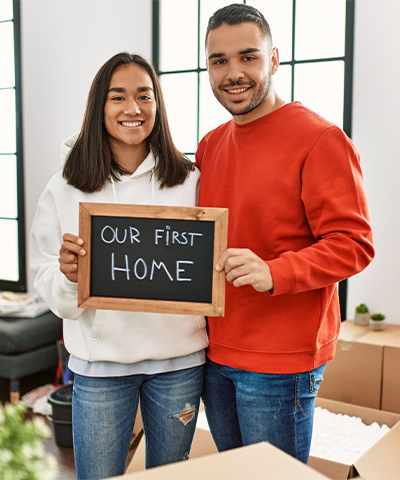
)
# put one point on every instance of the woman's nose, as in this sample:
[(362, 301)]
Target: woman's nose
[(131, 108)]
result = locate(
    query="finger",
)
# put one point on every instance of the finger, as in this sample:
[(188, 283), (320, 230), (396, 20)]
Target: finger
[(228, 254), (69, 237), (72, 247), (67, 269), (68, 258), (237, 272)]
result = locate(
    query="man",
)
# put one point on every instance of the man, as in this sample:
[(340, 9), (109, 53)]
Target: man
[(298, 224)]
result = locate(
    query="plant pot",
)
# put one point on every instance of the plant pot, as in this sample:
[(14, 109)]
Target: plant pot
[(361, 318), (377, 324)]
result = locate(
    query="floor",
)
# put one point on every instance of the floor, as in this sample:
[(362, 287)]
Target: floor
[(63, 455)]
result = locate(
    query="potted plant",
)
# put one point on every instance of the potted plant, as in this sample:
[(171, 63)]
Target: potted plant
[(361, 316), (377, 321), (22, 453)]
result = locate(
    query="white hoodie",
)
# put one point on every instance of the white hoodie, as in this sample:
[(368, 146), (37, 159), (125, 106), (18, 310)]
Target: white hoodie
[(106, 335)]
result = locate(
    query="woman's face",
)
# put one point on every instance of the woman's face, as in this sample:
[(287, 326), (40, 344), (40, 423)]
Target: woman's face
[(130, 108)]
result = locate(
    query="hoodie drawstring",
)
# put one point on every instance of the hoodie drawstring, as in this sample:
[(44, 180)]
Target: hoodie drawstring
[(153, 187), (114, 191)]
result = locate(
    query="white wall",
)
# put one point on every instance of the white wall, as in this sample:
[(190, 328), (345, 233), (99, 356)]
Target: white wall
[(64, 43), (376, 132)]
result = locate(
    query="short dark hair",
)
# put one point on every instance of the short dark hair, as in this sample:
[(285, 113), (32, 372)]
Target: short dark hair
[(239, 13), (91, 162)]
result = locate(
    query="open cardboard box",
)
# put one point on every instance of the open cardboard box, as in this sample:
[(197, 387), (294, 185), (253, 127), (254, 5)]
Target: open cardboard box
[(382, 460), (355, 374)]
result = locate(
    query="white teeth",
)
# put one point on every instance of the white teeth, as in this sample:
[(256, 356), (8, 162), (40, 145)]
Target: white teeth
[(131, 124), (238, 91)]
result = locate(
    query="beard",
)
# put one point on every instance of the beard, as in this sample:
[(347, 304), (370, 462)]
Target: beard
[(256, 100)]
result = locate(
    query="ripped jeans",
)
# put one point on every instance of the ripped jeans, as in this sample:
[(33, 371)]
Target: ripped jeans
[(244, 407), (104, 411)]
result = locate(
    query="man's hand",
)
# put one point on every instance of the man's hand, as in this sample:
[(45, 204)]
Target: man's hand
[(244, 267), (69, 251)]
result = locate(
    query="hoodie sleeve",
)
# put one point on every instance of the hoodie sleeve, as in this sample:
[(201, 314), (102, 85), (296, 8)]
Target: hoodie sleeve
[(57, 291)]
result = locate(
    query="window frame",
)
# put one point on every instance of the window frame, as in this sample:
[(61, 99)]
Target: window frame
[(347, 58), (20, 284)]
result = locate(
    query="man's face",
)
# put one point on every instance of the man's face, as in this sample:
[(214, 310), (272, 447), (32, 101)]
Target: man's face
[(240, 67)]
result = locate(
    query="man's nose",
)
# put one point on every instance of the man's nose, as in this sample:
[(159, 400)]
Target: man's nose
[(235, 72)]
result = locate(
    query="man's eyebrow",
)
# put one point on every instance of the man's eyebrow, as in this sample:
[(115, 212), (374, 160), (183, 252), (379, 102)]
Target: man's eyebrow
[(215, 55), (249, 50), (243, 52)]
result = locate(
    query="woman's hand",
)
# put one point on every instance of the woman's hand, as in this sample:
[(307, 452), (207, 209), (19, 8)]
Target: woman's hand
[(69, 251)]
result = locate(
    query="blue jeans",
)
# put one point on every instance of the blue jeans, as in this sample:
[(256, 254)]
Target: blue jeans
[(244, 407), (104, 411)]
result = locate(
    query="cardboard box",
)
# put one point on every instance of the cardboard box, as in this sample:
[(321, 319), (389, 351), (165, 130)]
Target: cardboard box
[(355, 374), (259, 461), (380, 461), (391, 377)]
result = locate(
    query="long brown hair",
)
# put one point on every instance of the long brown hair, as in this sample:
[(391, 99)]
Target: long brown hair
[(91, 162)]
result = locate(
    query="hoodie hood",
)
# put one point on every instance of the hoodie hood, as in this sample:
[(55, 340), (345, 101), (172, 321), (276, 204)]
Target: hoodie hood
[(67, 145)]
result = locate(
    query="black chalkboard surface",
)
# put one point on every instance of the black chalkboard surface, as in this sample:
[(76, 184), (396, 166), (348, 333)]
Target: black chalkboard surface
[(152, 258)]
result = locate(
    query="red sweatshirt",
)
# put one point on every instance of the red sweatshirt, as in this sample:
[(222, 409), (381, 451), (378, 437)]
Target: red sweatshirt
[(293, 185)]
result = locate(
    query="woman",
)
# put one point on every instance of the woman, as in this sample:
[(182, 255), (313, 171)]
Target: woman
[(124, 153)]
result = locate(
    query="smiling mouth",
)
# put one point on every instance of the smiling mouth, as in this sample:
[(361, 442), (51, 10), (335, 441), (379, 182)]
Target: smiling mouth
[(131, 124), (237, 91)]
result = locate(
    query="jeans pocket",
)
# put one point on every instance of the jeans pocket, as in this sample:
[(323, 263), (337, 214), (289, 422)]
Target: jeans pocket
[(316, 377)]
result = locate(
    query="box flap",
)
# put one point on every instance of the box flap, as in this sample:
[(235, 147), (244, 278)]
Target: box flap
[(333, 470), (259, 461), (382, 459), (367, 415)]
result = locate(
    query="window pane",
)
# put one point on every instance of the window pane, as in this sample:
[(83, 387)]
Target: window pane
[(7, 78), (7, 121), (6, 10), (9, 250), (279, 16), (178, 35), (320, 86), (208, 8), (180, 95), (320, 29), (283, 82), (8, 186)]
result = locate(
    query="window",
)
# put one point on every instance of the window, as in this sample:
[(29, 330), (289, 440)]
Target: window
[(12, 224), (315, 42)]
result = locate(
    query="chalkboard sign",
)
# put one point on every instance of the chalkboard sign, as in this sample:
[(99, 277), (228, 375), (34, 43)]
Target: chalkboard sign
[(152, 258)]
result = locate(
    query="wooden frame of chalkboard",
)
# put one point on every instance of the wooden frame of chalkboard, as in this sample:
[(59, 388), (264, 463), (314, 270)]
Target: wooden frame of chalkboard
[(152, 258)]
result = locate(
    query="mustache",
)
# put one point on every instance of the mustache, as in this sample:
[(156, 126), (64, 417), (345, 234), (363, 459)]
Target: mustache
[(239, 83)]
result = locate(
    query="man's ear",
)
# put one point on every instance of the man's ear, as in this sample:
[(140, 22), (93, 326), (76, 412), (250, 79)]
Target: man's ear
[(274, 60)]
